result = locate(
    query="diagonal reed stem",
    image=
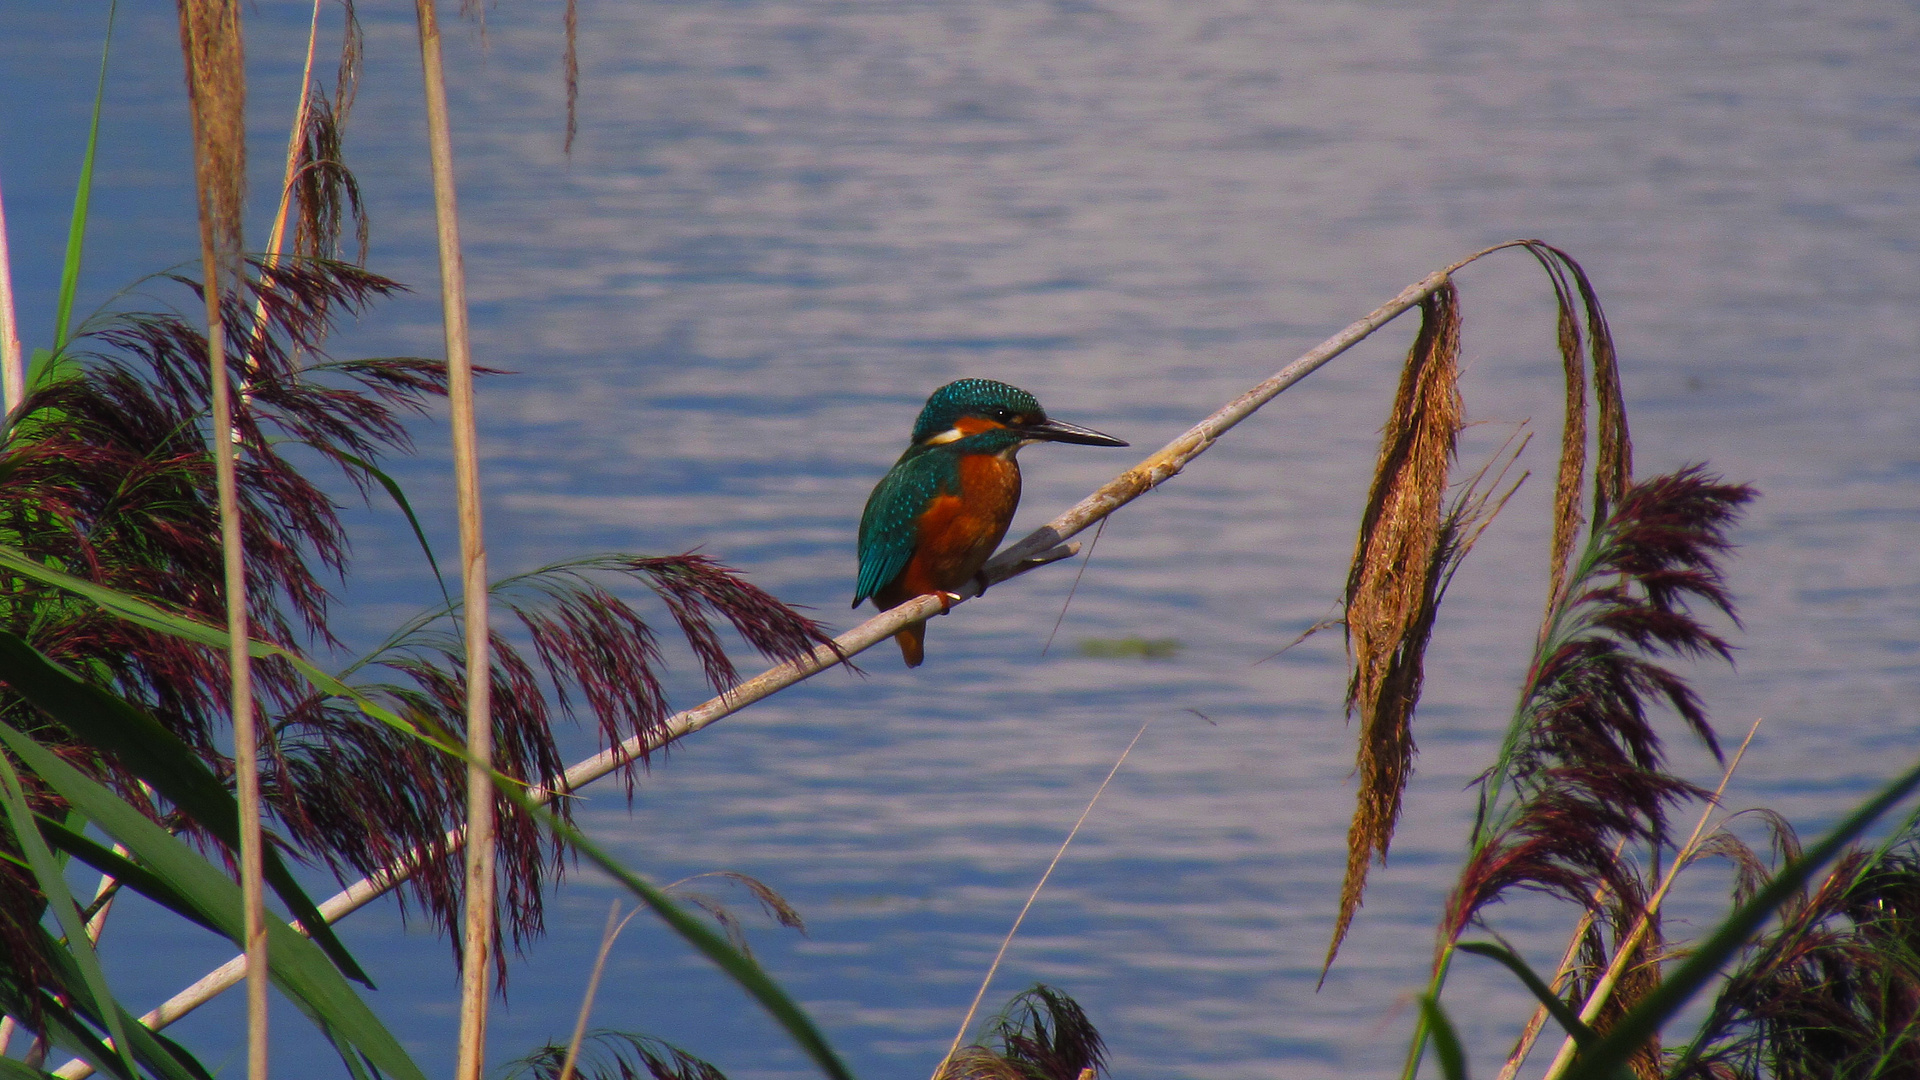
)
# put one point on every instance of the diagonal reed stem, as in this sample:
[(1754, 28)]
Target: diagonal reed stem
[(1040, 547), (1623, 951), (1531, 1032), (478, 924)]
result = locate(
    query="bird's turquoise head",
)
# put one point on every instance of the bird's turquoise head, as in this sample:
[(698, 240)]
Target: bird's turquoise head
[(982, 410)]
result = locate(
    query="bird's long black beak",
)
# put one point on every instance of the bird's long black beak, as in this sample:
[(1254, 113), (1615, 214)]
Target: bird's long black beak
[(1060, 431)]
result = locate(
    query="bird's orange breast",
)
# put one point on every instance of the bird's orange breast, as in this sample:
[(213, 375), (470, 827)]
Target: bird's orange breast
[(957, 533)]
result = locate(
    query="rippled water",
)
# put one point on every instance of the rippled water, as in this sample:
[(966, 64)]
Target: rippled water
[(786, 220)]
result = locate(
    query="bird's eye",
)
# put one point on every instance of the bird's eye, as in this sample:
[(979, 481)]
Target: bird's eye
[(1003, 415)]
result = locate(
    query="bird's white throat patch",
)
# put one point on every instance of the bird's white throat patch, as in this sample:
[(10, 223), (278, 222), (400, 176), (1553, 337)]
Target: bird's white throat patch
[(947, 436)]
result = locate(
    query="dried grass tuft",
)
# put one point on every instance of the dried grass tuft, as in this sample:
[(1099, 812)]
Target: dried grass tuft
[(978, 1063), (772, 904), (1042, 1034), (1834, 990), (1392, 588), (614, 1055)]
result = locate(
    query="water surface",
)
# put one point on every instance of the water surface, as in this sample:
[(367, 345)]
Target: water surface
[(786, 220)]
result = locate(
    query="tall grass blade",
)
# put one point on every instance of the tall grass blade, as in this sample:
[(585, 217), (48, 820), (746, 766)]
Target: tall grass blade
[(100, 719), (11, 1069), (82, 197), (53, 885), (61, 1026), (399, 497), (162, 1058), (1581, 1033), (138, 611), (1446, 1041), (124, 872), (301, 970)]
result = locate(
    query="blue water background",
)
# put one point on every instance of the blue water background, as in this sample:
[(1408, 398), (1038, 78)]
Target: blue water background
[(786, 220)]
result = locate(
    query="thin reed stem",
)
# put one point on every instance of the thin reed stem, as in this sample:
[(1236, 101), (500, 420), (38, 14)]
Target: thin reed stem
[(478, 925), (13, 372), (615, 924), (1007, 942), (216, 83), (1039, 548), (246, 743), (1074, 588)]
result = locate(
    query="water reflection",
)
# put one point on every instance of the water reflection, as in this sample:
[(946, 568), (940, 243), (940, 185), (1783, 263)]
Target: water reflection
[(786, 220)]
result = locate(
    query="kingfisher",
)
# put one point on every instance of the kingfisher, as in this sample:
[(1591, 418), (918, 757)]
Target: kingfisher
[(933, 520)]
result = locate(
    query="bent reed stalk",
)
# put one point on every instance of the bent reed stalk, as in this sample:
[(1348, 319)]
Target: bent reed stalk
[(1044, 545)]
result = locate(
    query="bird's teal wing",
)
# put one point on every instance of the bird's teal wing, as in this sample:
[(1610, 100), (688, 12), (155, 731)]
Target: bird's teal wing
[(890, 527)]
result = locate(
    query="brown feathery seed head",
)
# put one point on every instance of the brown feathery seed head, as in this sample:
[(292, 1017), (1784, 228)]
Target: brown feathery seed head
[(1394, 585)]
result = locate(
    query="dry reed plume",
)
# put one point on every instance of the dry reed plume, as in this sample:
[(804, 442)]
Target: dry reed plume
[(1391, 590), (1396, 581)]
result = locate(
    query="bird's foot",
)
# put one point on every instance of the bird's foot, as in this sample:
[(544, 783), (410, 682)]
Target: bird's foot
[(947, 600), (980, 583)]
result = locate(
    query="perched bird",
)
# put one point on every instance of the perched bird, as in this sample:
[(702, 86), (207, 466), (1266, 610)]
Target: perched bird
[(932, 521)]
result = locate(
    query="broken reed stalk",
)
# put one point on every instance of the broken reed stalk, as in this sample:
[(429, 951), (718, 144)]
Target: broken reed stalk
[(216, 94), (1044, 545), (1625, 949), (477, 926), (294, 140), (13, 373)]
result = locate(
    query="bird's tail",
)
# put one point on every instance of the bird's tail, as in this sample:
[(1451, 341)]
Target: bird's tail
[(913, 643)]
